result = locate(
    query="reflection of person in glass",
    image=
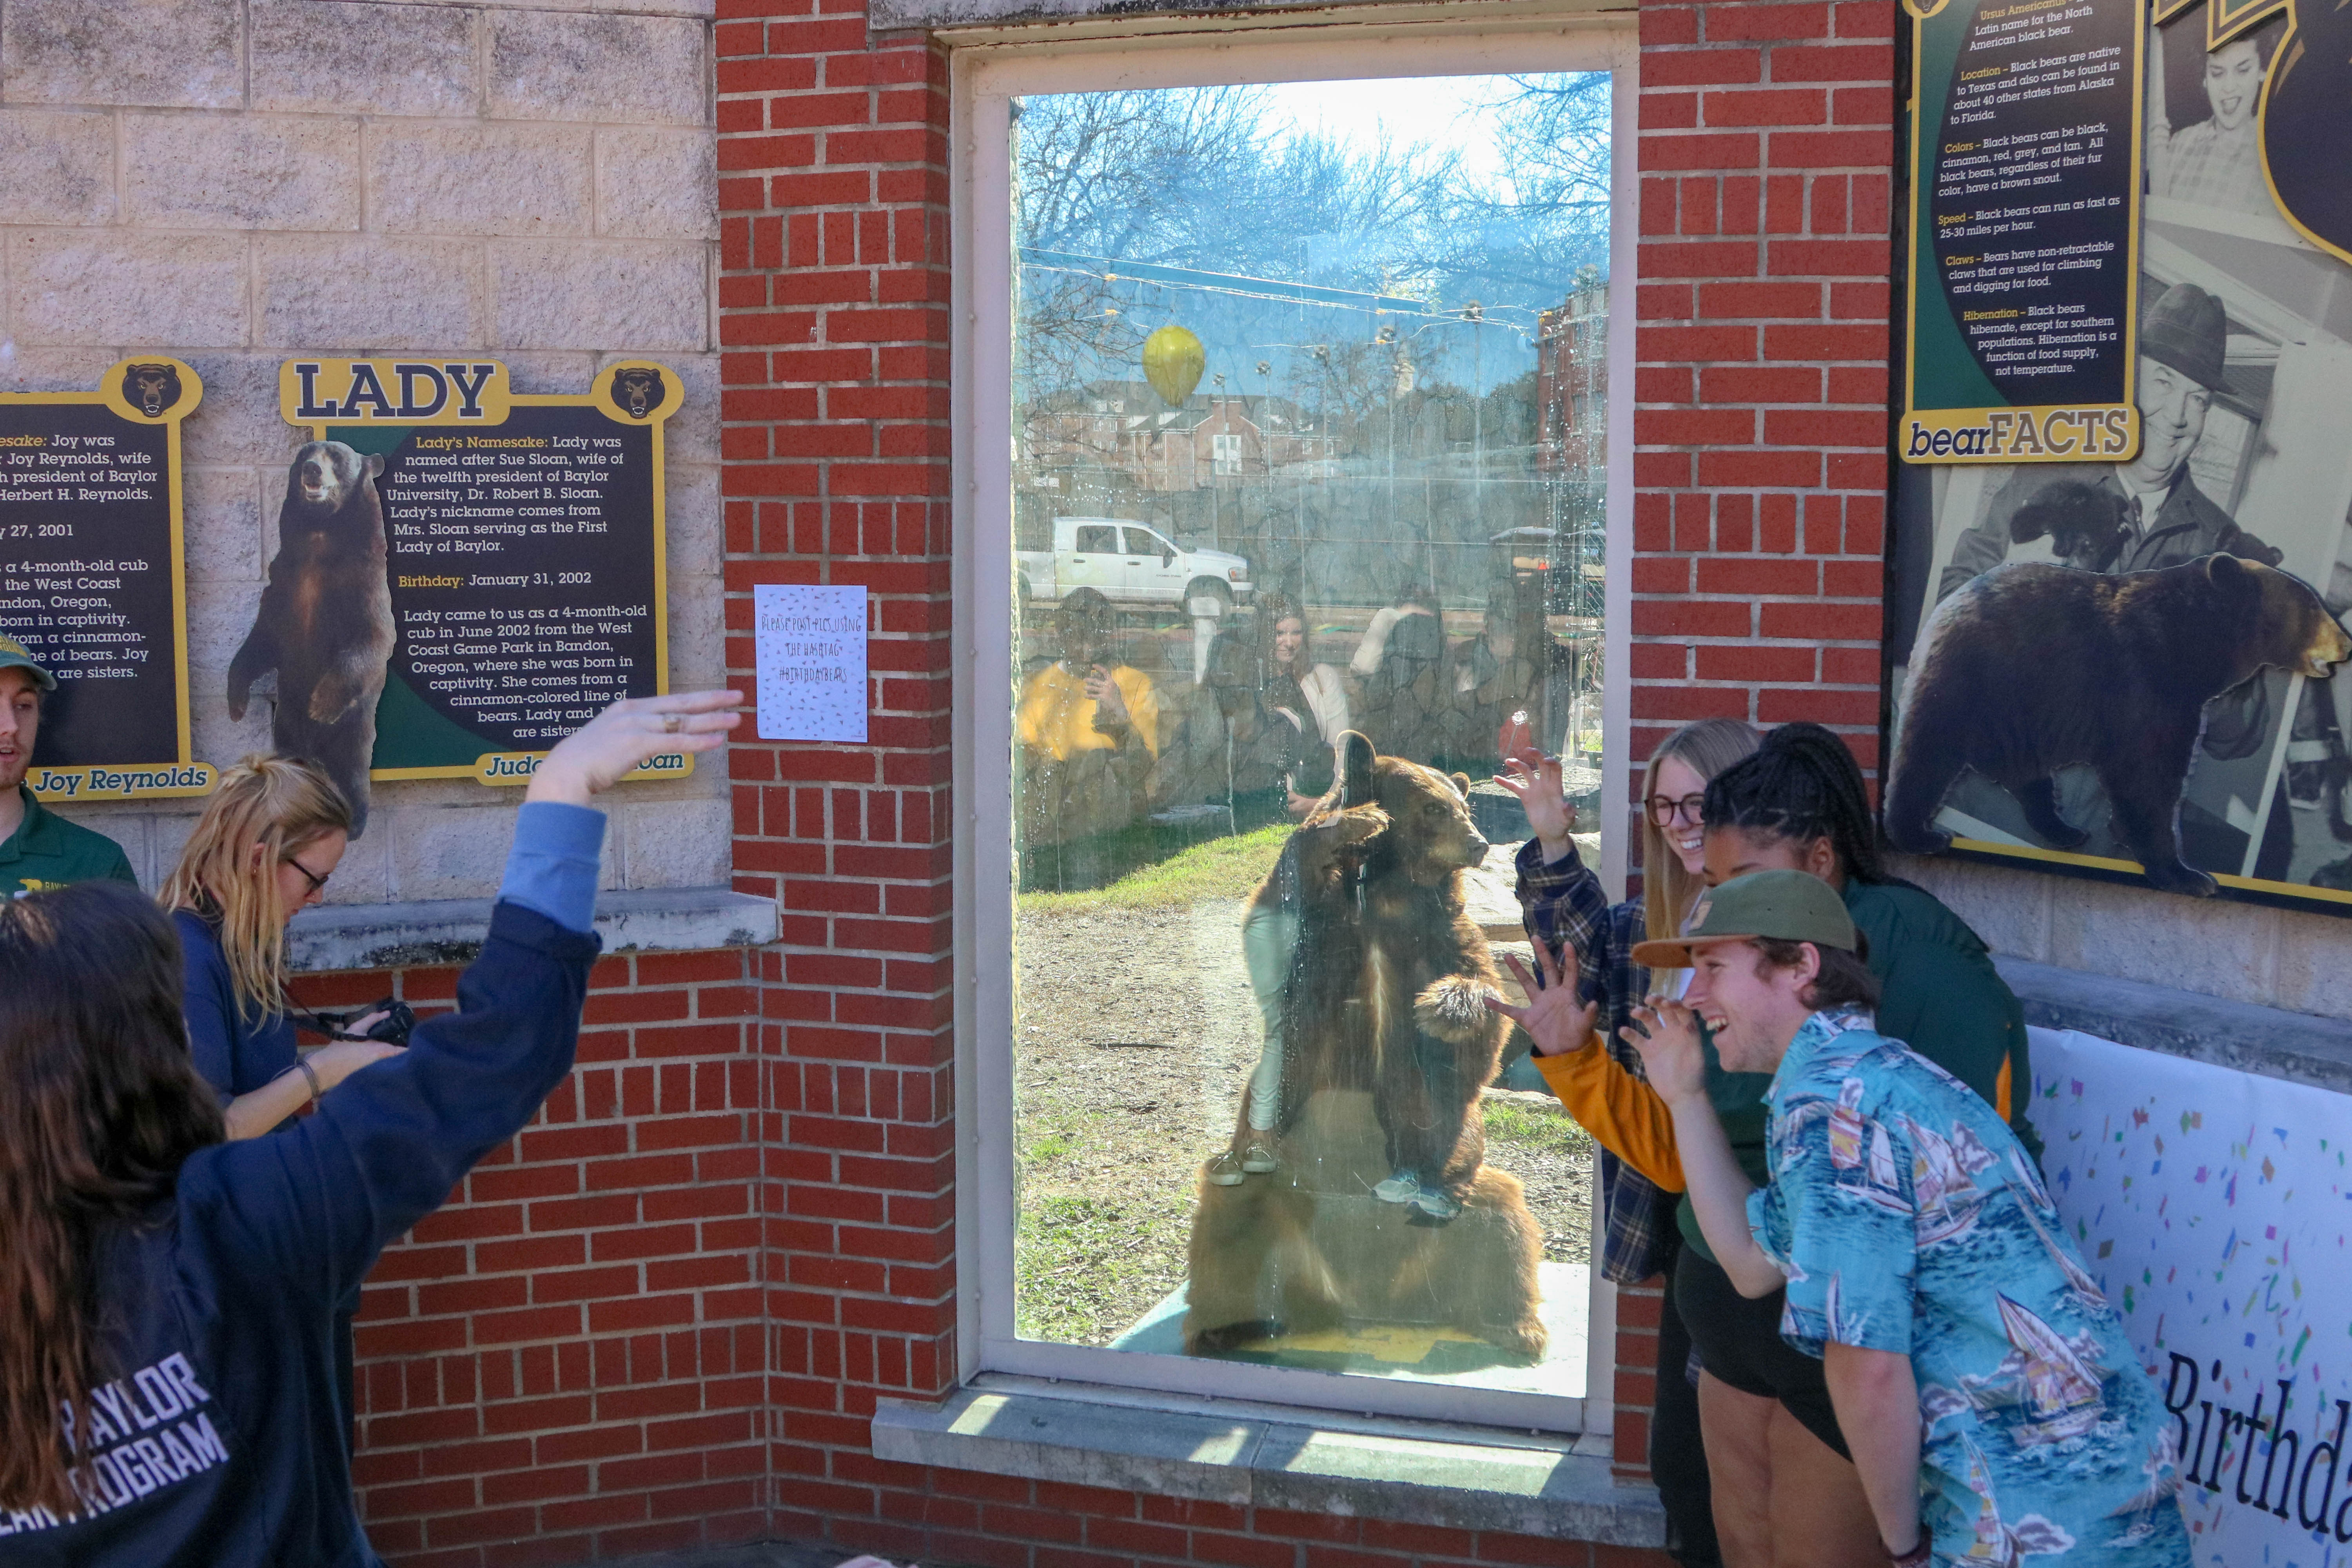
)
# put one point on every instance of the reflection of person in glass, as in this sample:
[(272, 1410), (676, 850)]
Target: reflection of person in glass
[(1493, 676), (1089, 728), (1399, 668), (1310, 698), (1238, 751), (2216, 161)]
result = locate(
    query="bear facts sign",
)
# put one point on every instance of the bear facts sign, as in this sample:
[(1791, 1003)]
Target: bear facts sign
[(91, 579), (2024, 261), (516, 586)]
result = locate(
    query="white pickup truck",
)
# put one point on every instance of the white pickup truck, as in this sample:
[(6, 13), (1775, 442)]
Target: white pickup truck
[(1128, 563)]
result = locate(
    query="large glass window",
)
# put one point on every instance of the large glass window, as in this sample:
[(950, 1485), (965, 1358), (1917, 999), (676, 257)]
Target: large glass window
[(1306, 421)]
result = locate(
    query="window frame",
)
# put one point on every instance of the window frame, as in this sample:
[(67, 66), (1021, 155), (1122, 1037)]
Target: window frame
[(1164, 53)]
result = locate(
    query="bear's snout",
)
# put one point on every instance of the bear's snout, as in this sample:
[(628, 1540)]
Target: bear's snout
[(1473, 851), (2330, 648)]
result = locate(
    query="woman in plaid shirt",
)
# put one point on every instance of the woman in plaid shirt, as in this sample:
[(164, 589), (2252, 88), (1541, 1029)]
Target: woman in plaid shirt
[(1564, 910)]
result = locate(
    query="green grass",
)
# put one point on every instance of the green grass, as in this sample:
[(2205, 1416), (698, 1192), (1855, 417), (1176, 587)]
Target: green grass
[(1089, 1260), (1548, 1129), (1221, 868)]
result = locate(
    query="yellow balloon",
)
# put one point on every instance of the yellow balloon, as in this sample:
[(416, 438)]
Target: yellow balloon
[(1172, 362)]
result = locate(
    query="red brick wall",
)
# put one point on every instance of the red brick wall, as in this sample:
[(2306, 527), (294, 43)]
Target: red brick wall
[(663, 1318), (832, 168), (1761, 377), (834, 180), (569, 1361)]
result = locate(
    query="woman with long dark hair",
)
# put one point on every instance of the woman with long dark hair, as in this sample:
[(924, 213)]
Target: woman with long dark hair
[(1311, 698), (166, 1372)]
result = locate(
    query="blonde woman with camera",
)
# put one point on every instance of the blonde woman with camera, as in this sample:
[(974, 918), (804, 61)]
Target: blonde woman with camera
[(269, 839)]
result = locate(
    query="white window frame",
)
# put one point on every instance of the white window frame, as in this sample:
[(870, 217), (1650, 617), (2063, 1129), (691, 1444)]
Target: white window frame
[(985, 74)]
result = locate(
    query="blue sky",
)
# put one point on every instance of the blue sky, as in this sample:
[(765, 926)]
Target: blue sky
[(1418, 109)]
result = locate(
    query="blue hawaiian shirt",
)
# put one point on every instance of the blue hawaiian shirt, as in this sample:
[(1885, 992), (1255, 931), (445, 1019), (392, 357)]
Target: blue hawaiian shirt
[(1907, 1218)]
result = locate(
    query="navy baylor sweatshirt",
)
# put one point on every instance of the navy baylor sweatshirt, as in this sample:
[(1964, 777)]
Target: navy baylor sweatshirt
[(215, 1440)]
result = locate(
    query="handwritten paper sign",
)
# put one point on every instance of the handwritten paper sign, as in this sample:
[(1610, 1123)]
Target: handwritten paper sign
[(810, 647)]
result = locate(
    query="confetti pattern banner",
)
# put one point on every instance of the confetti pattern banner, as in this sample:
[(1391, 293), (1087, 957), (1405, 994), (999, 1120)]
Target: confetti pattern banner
[(2213, 1206)]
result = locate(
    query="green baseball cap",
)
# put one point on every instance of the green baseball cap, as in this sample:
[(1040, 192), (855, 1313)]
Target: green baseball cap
[(14, 656), (1783, 906)]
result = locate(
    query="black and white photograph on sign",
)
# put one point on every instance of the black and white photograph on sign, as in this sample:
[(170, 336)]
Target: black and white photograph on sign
[(808, 646), (2245, 350)]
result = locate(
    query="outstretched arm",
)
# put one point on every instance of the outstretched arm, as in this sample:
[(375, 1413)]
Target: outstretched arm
[(1623, 1114), (388, 1147)]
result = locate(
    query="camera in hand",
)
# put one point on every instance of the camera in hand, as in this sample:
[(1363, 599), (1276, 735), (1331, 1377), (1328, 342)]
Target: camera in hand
[(392, 1029)]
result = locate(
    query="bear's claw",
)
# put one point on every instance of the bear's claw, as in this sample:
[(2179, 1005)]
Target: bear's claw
[(1357, 823), (1453, 1010)]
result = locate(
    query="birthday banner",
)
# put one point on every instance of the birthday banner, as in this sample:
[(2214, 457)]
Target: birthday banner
[(2212, 1206)]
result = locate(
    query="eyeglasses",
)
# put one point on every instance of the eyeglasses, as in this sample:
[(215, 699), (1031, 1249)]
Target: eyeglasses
[(318, 883), (1663, 810)]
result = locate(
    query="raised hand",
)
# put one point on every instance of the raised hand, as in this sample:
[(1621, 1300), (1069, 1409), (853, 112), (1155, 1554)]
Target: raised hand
[(1553, 1019), (1671, 1058), (1534, 778), (1110, 702), (631, 731)]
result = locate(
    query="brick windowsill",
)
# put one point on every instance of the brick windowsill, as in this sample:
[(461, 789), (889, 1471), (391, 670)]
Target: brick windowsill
[(1244, 1454), (450, 931)]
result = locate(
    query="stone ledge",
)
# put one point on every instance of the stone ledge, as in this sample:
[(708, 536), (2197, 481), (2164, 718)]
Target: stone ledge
[(1276, 1456), (2299, 1048), (947, 15), (450, 931)]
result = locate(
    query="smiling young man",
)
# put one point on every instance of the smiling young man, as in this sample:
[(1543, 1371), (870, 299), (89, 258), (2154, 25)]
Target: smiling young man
[(1984, 1385), (39, 851)]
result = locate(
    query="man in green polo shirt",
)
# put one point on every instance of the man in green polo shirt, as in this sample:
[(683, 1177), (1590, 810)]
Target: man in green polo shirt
[(39, 851)]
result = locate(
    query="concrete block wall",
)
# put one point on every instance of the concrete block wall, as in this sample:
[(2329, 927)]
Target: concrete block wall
[(569, 1362), (235, 182)]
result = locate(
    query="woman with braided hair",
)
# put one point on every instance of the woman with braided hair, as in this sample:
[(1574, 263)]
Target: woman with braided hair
[(1784, 1491)]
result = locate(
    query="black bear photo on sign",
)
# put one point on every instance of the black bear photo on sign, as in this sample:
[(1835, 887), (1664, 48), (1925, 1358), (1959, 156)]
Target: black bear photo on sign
[(325, 623), (2245, 349), (2030, 668)]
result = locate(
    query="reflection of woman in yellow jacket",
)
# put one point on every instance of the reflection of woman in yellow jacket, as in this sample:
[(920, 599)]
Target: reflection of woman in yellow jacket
[(1090, 729), (1064, 712)]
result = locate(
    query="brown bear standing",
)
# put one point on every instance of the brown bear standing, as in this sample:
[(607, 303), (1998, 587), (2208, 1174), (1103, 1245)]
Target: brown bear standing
[(325, 623), (2031, 668), (1381, 1207)]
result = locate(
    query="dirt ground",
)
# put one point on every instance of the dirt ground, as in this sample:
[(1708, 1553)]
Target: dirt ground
[(1135, 1035)]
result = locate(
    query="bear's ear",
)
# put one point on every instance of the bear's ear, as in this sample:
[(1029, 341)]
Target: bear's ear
[(2229, 575), (1462, 785), (374, 464), (1355, 769)]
